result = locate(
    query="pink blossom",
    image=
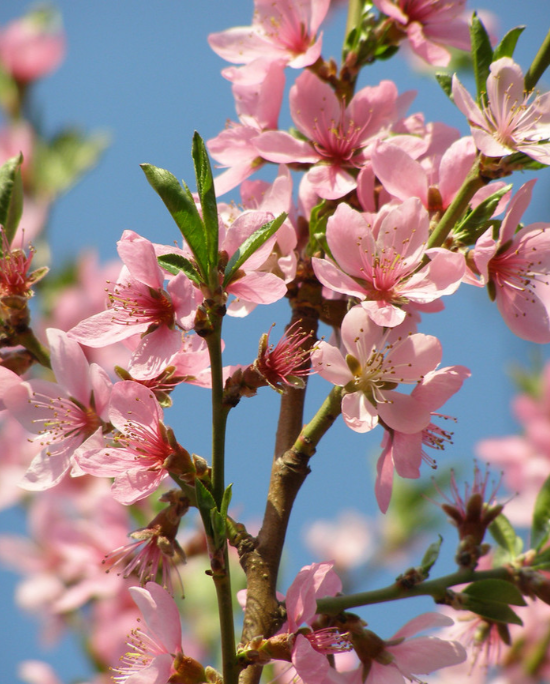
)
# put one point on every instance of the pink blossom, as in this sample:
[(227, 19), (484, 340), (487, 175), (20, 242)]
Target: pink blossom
[(508, 122), (274, 198), (348, 540), (337, 136), (406, 655), (32, 47), (435, 178), (283, 31), (136, 460), (156, 652), (68, 417), (285, 364), (516, 268), (258, 106), (382, 264), (251, 284), (61, 562), (430, 25), (375, 362), (138, 304), (404, 452)]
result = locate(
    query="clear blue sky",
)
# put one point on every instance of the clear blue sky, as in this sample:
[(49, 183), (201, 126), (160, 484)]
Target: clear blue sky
[(143, 72)]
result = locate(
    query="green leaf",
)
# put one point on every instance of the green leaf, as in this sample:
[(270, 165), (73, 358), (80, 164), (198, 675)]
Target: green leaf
[(431, 555), (60, 163), (492, 610), (505, 536), (179, 202), (206, 505), (446, 83), (11, 196), (540, 528), (482, 55), (175, 263), (250, 245), (219, 529), (226, 500), (474, 223), (507, 45), (497, 590), (207, 195)]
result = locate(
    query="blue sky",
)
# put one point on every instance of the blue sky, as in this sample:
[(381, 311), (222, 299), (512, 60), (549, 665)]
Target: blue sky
[(143, 72)]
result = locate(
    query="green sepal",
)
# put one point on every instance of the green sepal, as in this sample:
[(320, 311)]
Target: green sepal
[(482, 56), (505, 536), (507, 45), (59, 164), (206, 505), (11, 196), (181, 205), (431, 556), (493, 611), (175, 263), (475, 223), (520, 162), (383, 52), (540, 528), (250, 245), (446, 83), (207, 195), (497, 590)]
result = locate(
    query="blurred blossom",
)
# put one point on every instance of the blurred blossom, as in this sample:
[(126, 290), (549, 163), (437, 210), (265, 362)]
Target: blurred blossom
[(347, 541), (32, 47)]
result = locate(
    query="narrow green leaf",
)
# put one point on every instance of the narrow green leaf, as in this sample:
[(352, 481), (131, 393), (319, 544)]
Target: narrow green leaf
[(179, 202), (482, 55), (446, 83), (226, 500), (206, 505), (11, 196), (175, 263), (431, 555), (507, 45), (219, 529), (250, 245), (504, 534), (474, 223), (540, 528), (207, 195), (494, 611), (497, 590)]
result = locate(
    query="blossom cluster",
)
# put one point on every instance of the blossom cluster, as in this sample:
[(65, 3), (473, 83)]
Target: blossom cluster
[(392, 214)]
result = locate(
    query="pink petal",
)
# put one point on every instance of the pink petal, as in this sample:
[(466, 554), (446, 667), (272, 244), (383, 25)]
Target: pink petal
[(384, 479), (467, 105), (160, 614), (138, 255), (422, 623), (70, 365), (427, 654), (260, 288), (358, 413), (401, 175), (330, 364), (403, 413), (47, 469), (282, 148), (331, 182), (335, 279)]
